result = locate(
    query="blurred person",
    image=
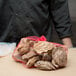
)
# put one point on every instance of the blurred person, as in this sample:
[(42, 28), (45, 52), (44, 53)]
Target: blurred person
[(21, 18)]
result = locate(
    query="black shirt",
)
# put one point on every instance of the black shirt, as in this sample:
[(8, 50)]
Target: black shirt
[(21, 18)]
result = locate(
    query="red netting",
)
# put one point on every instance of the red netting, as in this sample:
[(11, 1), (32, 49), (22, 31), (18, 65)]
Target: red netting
[(34, 38)]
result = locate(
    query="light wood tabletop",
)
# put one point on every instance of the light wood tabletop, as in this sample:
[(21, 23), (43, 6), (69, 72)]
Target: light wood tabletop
[(8, 67)]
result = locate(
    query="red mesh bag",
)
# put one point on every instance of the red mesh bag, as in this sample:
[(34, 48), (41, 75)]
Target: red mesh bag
[(17, 57)]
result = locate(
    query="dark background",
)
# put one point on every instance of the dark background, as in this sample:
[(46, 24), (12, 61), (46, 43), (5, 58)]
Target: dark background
[(72, 10)]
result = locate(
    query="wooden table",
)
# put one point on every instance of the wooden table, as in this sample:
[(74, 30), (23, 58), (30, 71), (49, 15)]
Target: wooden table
[(8, 67)]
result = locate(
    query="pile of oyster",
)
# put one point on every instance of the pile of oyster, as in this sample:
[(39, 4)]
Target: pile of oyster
[(41, 54)]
